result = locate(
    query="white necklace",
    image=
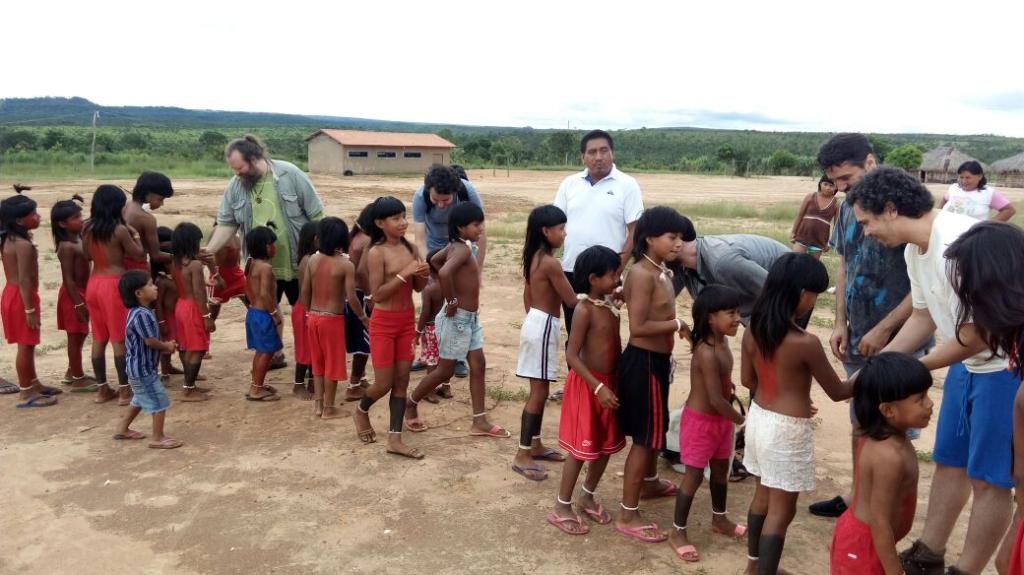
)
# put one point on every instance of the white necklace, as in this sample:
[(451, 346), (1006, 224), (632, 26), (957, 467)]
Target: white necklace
[(599, 303), (665, 272)]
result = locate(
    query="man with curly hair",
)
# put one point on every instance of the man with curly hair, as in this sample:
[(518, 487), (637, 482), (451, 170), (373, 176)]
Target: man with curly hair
[(974, 435)]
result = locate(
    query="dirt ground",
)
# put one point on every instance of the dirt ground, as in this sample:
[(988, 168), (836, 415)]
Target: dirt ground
[(266, 488)]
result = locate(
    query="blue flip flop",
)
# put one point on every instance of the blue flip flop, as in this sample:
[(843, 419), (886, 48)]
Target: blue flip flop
[(535, 468), (38, 400)]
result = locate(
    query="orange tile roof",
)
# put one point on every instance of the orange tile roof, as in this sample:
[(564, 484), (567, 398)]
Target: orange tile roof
[(390, 139)]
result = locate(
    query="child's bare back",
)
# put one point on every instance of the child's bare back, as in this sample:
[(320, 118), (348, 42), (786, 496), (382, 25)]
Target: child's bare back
[(331, 283), (260, 286), (783, 383)]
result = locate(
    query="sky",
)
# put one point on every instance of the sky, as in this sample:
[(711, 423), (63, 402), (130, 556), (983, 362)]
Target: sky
[(889, 67)]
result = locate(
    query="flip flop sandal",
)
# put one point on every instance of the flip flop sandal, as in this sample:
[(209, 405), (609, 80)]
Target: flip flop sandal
[(50, 391), (599, 515), (268, 397), (687, 553), (130, 434), (534, 468), (550, 455), (416, 425), (38, 400), (639, 534), (562, 522), (167, 443), (91, 388), (668, 489), (737, 533), (367, 435), (495, 431), (7, 388), (413, 453)]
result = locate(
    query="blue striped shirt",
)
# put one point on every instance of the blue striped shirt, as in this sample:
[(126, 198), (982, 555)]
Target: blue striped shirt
[(140, 359)]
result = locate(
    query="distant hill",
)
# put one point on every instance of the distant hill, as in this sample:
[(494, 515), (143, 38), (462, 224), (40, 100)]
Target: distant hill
[(52, 111)]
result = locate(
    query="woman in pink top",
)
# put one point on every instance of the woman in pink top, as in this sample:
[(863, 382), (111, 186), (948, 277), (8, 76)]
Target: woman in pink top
[(972, 196)]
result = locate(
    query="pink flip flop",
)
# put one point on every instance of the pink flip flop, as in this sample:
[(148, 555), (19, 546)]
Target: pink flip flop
[(687, 553), (599, 515), (130, 434), (495, 431), (562, 522), (737, 533), (667, 489), (638, 533)]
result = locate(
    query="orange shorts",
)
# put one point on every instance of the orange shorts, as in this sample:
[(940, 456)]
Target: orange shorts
[(234, 283), (15, 320), (300, 333), (67, 319), (107, 314), (190, 327), (327, 346), (392, 336)]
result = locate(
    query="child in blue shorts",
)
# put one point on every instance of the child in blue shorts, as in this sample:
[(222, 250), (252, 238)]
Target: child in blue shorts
[(142, 358), (262, 317)]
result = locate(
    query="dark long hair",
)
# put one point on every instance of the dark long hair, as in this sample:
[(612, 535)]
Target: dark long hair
[(11, 209), (383, 208), (185, 242), (976, 169), (886, 377), (714, 297), (658, 221), (772, 315), (258, 242), (462, 215), (60, 212), (985, 266), (308, 238), (541, 217), (105, 212), (333, 235)]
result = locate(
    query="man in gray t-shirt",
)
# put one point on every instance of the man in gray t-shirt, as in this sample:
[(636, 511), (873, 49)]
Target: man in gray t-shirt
[(740, 261), (431, 205)]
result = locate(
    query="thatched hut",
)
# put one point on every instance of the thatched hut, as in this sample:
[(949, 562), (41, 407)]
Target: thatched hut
[(1009, 172), (939, 165)]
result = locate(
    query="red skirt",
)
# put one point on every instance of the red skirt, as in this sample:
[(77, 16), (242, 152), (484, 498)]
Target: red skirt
[(1017, 557), (587, 430), (234, 283), (67, 319), (14, 318), (190, 327), (853, 549), (327, 346)]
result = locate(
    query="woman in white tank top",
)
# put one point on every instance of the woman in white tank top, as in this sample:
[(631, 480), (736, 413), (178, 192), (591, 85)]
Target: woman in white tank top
[(972, 196)]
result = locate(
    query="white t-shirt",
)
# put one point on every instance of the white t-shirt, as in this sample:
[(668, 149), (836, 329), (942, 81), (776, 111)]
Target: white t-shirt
[(931, 289), (976, 203), (598, 213)]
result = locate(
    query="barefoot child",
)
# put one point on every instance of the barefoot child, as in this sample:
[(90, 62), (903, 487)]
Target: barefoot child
[(778, 361), (394, 272), (307, 247), (589, 429), (142, 350), (151, 189), (193, 322), (357, 337), (72, 317), (262, 318), (890, 396), (108, 240), (546, 289), (458, 323), (646, 362), (813, 223), (19, 306), (431, 303), (706, 429), (328, 281)]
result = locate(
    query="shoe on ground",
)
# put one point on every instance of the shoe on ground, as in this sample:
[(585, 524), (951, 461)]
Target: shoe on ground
[(832, 508), (461, 369)]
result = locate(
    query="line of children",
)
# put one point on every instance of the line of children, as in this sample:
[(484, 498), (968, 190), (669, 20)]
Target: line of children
[(300, 336), (327, 283), (589, 430), (262, 317), (108, 240), (546, 289), (394, 271), (72, 316), (19, 304), (143, 347), (706, 429), (193, 322), (459, 333)]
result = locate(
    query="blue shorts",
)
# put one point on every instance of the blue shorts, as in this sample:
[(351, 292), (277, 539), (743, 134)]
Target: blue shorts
[(260, 332), (357, 338), (975, 428), (150, 394), (913, 433), (459, 334)]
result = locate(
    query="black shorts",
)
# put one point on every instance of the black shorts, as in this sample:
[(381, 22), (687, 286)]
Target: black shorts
[(357, 338), (643, 395), (289, 289)]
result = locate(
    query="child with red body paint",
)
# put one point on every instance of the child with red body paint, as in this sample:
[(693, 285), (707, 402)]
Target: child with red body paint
[(300, 332), (193, 322), (72, 316)]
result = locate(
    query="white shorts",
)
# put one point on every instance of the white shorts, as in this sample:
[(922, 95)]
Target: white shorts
[(538, 346), (780, 450)]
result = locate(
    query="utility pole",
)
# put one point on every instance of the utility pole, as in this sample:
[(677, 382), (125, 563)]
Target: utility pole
[(92, 155)]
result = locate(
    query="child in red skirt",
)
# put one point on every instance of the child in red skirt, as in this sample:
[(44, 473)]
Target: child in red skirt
[(303, 360), (193, 321), (230, 278), (72, 316), (589, 431), (706, 429), (890, 396), (19, 308), (328, 282)]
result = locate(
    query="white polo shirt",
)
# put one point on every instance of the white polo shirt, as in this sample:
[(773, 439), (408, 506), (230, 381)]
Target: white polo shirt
[(597, 213)]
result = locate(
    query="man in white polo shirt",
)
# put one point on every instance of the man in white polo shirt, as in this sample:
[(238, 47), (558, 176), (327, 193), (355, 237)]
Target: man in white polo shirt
[(601, 205)]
